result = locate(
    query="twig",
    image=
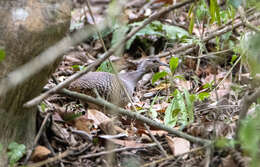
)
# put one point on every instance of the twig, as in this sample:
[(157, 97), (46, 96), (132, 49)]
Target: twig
[(209, 54), (245, 21), (133, 115), (230, 70), (115, 150), (156, 141), (209, 37), (173, 156), (37, 138), (59, 156), (106, 55)]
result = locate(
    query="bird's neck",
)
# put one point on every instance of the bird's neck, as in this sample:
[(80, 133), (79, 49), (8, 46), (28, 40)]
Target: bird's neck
[(131, 78)]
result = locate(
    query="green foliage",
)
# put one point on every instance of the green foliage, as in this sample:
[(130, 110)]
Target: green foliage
[(214, 12), (152, 112), (233, 59), (253, 3), (43, 107), (191, 25), (105, 67), (156, 28), (2, 55), (249, 136), (224, 142), (202, 10), (208, 85), (78, 67), (15, 152), (203, 95), (181, 109), (72, 116), (159, 75), (174, 62)]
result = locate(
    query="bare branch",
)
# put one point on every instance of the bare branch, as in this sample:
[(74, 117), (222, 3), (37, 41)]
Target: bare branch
[(136, 116)]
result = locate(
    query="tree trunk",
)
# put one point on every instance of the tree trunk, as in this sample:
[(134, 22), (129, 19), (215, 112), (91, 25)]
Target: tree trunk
[(27, 27)]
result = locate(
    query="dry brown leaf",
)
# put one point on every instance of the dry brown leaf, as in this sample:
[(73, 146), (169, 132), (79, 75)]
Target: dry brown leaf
[(178, 145), (97, 116), (40, 153), (84, 124)]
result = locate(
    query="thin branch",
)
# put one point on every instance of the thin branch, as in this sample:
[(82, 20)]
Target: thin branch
[(106, 55), (117, 110), (37, 138), (115, 150), (245, 21), (173, 156), (156, 141), (58, 157), (212, 35), (227, 74)]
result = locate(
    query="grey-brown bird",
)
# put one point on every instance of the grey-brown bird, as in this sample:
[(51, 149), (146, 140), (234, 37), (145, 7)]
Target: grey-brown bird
[(107, 85)]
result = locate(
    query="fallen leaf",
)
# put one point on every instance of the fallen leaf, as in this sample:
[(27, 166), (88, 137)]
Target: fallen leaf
[(40, 153), (178, 145), (97, 116)]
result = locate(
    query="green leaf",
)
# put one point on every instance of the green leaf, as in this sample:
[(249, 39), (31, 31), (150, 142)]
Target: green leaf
[(153, 112), (156, 28), (234, 57), (174, 62), (224, 142), (105, 67), (191, 25), (217, 12), (176, 111), (212, 10), (203, 95), (72, 116), (173, 32), (43, 107), (189, 99), (158, 76), (180, 77), (2, 55), (171, 113), (15, 152), (208, 85), (77, 67)]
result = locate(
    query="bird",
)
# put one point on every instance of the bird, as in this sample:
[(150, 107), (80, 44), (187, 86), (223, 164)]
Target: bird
[(107, 86)]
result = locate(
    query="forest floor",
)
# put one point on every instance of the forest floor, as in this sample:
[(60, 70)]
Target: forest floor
[(199, 93)]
